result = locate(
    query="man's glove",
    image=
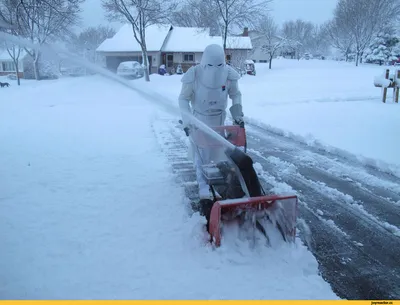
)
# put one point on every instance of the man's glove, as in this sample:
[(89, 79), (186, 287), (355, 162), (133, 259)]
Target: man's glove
[(237, 115), (239, 121), (185, 129)]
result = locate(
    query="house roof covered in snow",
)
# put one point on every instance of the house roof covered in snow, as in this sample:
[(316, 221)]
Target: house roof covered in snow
[(4, 56), (192, 39), (187, 39), (124, 41), (170, 39)]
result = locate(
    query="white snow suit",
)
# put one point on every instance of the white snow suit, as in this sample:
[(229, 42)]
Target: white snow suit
[(205, 91)]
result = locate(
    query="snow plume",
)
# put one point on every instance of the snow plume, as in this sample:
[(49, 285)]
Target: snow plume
[(157, 99)]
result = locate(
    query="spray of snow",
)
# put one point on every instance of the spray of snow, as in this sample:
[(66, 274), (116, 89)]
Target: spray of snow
[(155, 98)]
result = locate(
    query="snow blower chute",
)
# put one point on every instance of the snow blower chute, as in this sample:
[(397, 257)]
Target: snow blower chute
[(239, 191)]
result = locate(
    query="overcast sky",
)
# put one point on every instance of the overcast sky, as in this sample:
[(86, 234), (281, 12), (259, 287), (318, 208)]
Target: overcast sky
[(316, 11)]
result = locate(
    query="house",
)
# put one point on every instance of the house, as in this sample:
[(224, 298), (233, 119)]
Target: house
[(185, 46), (169, 45), (258, 39), (124, 47), (256, 54), (25, 65), (7, 65)]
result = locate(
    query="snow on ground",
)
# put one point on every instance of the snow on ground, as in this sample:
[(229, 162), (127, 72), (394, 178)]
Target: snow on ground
[(334, 105), (89, 208)]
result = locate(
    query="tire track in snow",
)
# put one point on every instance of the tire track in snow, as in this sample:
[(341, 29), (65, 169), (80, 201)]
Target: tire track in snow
[(339, 256), (384, 214), (311, 156), (375, 248), (353, 271), (381, 195)]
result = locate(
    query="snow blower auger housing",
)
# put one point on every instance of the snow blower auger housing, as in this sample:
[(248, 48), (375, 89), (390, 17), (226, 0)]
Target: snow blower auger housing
[(241, 195)]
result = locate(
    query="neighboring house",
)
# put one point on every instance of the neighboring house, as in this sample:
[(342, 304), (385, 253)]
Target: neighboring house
[(7, 65), (256, 54), (169, 45), (25, 66), (257, 40)]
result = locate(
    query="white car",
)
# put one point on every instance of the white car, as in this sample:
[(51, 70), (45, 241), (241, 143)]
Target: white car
[(130, 69)]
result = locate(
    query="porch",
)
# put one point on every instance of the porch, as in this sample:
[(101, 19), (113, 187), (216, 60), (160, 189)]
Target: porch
[(172, 59)]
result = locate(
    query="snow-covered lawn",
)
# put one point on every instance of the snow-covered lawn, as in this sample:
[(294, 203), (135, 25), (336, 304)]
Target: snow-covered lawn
[(89, 208), (331, 104)]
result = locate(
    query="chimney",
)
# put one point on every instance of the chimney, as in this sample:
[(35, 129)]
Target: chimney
[(245, 32)]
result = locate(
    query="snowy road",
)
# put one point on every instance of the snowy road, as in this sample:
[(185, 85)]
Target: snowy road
[(352, 210)]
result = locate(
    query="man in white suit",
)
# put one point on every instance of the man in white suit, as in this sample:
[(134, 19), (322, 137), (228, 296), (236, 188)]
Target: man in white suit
[(204, 94)]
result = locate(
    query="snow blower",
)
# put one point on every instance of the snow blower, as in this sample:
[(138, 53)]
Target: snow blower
[(237, 191)]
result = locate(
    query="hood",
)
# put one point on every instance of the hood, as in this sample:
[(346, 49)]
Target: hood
[(212, 68)]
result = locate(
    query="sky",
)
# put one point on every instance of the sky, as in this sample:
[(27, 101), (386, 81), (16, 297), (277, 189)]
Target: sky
[(316, 11)]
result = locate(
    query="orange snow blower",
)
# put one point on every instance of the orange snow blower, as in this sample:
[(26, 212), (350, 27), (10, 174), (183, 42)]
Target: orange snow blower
[(237, 191)]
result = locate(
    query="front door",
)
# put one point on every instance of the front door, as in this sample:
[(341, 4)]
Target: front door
[(150, 58), (170, 61)]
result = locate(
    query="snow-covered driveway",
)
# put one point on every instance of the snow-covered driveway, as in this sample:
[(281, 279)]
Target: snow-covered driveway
[(89, 208), (351, 209)]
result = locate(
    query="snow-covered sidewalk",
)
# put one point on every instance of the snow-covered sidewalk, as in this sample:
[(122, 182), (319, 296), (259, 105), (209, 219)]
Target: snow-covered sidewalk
[(89, 208)]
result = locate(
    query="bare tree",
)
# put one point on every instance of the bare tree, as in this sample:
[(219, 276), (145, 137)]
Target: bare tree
[(300, 33), (42, 21), (8, 13), (319, 43), (268, 38), (197, 13), (140, 14), (363, 19), (85, 44), (90, 38), (237, 13), (340, 37), (4, 24)]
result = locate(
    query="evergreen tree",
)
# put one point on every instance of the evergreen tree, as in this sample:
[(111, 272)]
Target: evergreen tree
[(385, 46)]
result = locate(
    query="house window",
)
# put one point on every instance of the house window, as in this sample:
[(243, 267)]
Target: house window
[(188, 57), (8, 66)]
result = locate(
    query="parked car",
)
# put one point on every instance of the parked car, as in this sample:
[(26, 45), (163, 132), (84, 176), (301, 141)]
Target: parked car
[(130, 69)]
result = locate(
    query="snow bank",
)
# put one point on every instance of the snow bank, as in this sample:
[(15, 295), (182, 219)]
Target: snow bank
[(89, 209), (329, 104)]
